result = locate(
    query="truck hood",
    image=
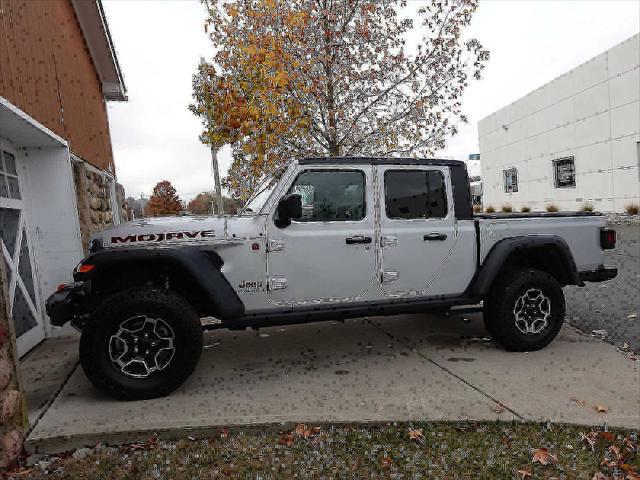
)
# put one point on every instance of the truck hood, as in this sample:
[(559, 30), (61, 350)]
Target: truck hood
[(187, 230)]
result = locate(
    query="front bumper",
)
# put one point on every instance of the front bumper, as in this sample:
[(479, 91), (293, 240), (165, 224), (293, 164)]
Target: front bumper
[(65, 304), (602, 274)]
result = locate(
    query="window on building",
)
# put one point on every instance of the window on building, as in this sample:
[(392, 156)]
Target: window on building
[(415, 194), (8, 176), (564, 172), (331, 195), (510, 180)]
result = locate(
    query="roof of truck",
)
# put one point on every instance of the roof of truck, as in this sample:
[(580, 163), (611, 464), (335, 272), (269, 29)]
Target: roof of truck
[(382, 161)]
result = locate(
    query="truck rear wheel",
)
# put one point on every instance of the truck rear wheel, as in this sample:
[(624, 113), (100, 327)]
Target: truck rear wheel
[(141, 343), (524, 310)]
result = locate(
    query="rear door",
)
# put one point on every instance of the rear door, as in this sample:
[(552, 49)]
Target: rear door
[(417, 230), (328, 255)]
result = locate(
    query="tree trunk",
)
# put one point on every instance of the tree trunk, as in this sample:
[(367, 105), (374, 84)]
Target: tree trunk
[(334, 149), (13, 417)]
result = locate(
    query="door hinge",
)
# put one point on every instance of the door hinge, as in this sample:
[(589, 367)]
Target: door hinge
[(276, 245), (278, 283), (388, 277), (388, 241)]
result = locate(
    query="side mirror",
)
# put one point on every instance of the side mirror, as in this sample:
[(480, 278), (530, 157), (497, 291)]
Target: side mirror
[(289, 206)]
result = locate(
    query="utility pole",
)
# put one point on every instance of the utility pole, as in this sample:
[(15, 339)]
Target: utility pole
[(214, 164)]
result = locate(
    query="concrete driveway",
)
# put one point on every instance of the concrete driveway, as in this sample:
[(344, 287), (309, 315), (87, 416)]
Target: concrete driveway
[(380, 369)]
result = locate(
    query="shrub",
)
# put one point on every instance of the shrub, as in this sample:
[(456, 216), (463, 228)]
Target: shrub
[(490, 209), (552, 208), (525, 209), (587, 207), (507, 208), (632, 209), (477, 208)]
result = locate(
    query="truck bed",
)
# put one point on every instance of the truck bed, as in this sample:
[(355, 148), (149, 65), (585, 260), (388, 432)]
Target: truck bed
[(580, 230)]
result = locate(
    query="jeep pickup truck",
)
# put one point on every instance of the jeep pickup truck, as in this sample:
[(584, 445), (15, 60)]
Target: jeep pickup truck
[(333, 238)]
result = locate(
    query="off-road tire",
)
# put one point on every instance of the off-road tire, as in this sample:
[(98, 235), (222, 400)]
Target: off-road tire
[(499, 306), (151, 301)]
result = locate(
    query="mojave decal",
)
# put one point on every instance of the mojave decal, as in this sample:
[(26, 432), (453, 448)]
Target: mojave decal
[(161, 237)]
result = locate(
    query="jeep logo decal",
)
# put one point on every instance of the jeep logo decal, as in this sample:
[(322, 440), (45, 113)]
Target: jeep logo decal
[(160, 237)]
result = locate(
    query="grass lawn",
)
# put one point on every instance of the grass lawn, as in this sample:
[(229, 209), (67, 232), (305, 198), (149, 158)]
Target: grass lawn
[(398, 450)]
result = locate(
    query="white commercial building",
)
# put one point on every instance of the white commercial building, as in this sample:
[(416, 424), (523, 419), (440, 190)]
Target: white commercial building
[(571, 142)]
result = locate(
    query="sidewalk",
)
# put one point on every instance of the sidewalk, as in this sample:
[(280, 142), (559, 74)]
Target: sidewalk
[(411, 367)]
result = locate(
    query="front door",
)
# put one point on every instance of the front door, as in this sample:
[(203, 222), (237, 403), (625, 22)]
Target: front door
[(328, 255), (417, 230), (17, 254)]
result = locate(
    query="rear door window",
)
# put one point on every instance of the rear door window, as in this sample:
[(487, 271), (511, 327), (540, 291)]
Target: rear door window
[(412, 194)]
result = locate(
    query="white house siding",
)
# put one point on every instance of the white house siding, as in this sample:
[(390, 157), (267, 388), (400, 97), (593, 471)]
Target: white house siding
[(591, 113)]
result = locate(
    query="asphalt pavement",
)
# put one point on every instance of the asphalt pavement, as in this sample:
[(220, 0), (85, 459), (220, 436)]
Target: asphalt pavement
[(612, 308)]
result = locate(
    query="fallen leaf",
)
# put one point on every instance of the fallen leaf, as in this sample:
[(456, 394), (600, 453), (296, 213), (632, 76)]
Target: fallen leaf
[(589, 439), (499, 408), (385, 462), (578, 402), (543, 456), (632, 316), (416, 435), (300, 428), (286, 439), (607, 436), (524, 474), (600, 409), (310, 432), (633, 476), (506, 441), (306, 432), (630, 444), (616, 451), (600, 476)]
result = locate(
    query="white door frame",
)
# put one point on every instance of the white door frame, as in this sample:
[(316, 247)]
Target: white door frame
[(36, 334)]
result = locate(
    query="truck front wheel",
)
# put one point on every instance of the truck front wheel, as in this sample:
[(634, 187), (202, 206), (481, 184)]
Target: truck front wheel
[(141, 343), (524, 310)]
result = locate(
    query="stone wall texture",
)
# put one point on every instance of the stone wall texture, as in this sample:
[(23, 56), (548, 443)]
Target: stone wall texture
[(13, 419), (93, 193)]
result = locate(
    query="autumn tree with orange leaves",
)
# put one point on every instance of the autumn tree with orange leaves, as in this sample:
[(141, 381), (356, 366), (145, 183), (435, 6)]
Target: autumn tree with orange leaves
[(294, 78), (163, 201)]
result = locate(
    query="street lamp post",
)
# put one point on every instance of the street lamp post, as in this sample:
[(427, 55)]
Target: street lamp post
[(214, 164)]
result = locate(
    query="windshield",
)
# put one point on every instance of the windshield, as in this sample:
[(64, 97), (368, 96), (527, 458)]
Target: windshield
[(255, 204)]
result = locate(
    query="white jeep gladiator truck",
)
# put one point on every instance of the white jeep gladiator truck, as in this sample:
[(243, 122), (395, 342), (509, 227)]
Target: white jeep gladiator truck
[(333, 238)]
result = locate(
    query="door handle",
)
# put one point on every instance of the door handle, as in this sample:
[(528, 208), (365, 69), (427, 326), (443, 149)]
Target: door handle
[(357, 239), (434, 236)]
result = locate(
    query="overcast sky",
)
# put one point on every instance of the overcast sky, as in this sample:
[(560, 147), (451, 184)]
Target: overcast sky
[(159, 44)]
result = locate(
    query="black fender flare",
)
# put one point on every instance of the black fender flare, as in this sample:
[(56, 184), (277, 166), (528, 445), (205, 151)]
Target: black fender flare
[(500, 252), (197, 263)]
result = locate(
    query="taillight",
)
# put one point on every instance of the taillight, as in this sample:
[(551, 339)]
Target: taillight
[(607, 239)]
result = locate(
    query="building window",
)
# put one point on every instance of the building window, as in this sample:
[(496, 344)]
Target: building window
[(9, 187), (410, 194), (564, 172), (510, 180)]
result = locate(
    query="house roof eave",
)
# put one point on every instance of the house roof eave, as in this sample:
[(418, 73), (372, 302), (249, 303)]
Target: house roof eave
[(95, 30)]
